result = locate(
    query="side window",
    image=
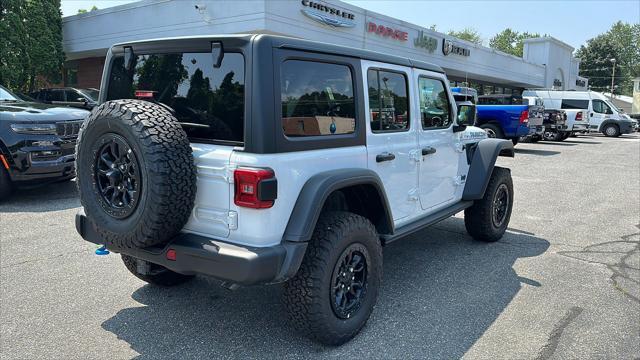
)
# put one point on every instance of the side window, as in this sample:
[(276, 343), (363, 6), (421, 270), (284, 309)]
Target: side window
[(601, 107), (73, 95), (434, 104), (574, 104), (388, 101), (56, 95), (317, 99)]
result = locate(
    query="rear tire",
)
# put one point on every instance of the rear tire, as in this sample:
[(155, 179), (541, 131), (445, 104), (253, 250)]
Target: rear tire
[(488, 218), (493, 131), (515, 141), (611, 130), (159, 275), (344, 253), (5, 184)]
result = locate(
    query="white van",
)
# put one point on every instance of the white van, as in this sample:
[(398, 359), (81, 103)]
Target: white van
[(602, 115)]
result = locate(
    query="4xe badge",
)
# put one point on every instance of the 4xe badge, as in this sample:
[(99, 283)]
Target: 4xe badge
[(328, 15)]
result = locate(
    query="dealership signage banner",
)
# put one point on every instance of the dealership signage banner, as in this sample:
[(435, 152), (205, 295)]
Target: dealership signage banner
[(386, 31), (328, 15), (448, 47), (426, 42)]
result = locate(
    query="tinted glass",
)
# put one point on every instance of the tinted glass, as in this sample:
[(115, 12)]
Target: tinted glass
[(317, 99), (388, 101), (434, 104), (574, 104), (601, 107), (73, 95), (55, 95), (208, 102)]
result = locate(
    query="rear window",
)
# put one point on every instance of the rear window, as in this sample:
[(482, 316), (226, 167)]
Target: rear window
[(500, 100), (208, 102), (574, 104)]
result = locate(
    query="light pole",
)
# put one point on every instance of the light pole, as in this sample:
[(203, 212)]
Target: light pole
[(613, 74)]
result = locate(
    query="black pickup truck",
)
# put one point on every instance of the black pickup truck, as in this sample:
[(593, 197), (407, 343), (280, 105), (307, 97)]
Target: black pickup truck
[(37, 142)]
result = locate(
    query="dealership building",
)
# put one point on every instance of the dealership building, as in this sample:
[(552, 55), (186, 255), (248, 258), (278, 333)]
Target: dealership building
[(546, 63)]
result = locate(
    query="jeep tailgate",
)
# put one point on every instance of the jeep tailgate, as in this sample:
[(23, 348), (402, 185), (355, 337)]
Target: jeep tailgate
[(211, 215)]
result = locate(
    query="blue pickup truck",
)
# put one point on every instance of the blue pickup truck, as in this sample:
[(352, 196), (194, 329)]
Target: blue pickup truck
[(505, 116)]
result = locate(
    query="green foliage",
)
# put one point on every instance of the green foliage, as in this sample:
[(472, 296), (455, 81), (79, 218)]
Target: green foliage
[(468, 34), (163, 73), (621, 42), (30, 43), (510, 41), (84, 11)]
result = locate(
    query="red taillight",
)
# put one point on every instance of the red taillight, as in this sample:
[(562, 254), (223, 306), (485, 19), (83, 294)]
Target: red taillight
[(524, 117), (254, 188), (171, 255), (144, 94), (579, 116)]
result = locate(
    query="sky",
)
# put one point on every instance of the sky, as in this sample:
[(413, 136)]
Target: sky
[(571, 21)]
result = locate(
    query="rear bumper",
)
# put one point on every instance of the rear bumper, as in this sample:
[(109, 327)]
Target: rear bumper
[(197, 254), (580, 127)]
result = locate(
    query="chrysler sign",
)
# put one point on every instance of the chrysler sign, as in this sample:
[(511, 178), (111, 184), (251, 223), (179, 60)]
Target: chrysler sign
[(328, 15)]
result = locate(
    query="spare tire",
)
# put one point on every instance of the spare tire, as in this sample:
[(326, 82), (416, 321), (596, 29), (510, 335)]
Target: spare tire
[(135, 173)]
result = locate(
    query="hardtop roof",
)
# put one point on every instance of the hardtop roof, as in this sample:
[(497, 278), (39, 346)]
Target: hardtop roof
[(285, 42)]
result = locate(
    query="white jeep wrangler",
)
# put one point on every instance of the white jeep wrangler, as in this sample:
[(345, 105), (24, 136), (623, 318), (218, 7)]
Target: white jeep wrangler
[(261, 159)]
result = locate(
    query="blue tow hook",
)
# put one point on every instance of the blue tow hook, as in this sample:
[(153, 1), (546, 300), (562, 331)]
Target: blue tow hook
[(102, 250)]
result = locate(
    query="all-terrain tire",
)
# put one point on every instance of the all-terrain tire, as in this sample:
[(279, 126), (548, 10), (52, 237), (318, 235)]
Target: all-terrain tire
[(479, 218), (150, 139), (611, 130), (515, 141), (308, 295), (493, 131), (5, 184), (158, 275)]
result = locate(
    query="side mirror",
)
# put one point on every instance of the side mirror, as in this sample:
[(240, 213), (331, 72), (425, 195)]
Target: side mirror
[(466, 115), (81, 99)]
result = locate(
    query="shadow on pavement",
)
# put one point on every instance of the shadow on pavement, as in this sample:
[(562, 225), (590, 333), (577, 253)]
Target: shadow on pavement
[(536, 152), (441, 292), (50, 197), (582, 142), (563, 143)]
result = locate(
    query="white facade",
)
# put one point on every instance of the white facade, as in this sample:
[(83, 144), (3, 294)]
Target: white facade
[(91, 34)]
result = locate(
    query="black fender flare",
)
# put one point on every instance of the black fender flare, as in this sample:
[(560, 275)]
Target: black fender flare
[(482, 163), (315, 192)]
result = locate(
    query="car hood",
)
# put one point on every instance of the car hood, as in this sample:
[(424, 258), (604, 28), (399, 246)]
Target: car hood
[(30, 111)]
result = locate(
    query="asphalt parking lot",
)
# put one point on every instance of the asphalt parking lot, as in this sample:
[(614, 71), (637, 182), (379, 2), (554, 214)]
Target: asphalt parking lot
[(563, 283)]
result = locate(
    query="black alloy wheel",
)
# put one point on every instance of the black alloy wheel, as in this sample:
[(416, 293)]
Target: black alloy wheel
[(117, 176), (349, 281), (500, 205)]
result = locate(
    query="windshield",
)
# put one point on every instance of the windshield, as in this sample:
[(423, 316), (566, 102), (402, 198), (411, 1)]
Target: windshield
[(613, 106), (92, 94), (208, 102), (6, 95)]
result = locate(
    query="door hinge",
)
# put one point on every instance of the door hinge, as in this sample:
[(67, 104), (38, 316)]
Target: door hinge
[(460, 179), (413, 195)]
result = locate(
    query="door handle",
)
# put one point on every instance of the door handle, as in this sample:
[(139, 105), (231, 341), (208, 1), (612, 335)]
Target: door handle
[(428, 150), (385, 157), (591, 114)]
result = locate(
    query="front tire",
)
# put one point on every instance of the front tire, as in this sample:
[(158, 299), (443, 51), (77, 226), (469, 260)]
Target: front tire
[(488, 218), (493, 131), (5, 184), (336, 288), (157, 275), (611, 130)]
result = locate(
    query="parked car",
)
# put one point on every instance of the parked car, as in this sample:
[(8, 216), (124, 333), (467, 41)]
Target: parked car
[(68, 96), (591, 110), (37, 142), (555, 124), (295, 162), (506, 116)]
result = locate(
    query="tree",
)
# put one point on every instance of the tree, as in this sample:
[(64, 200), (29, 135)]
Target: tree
[(30, 43), (621, 42), (84, 11), (468, 34), (510, 41)]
